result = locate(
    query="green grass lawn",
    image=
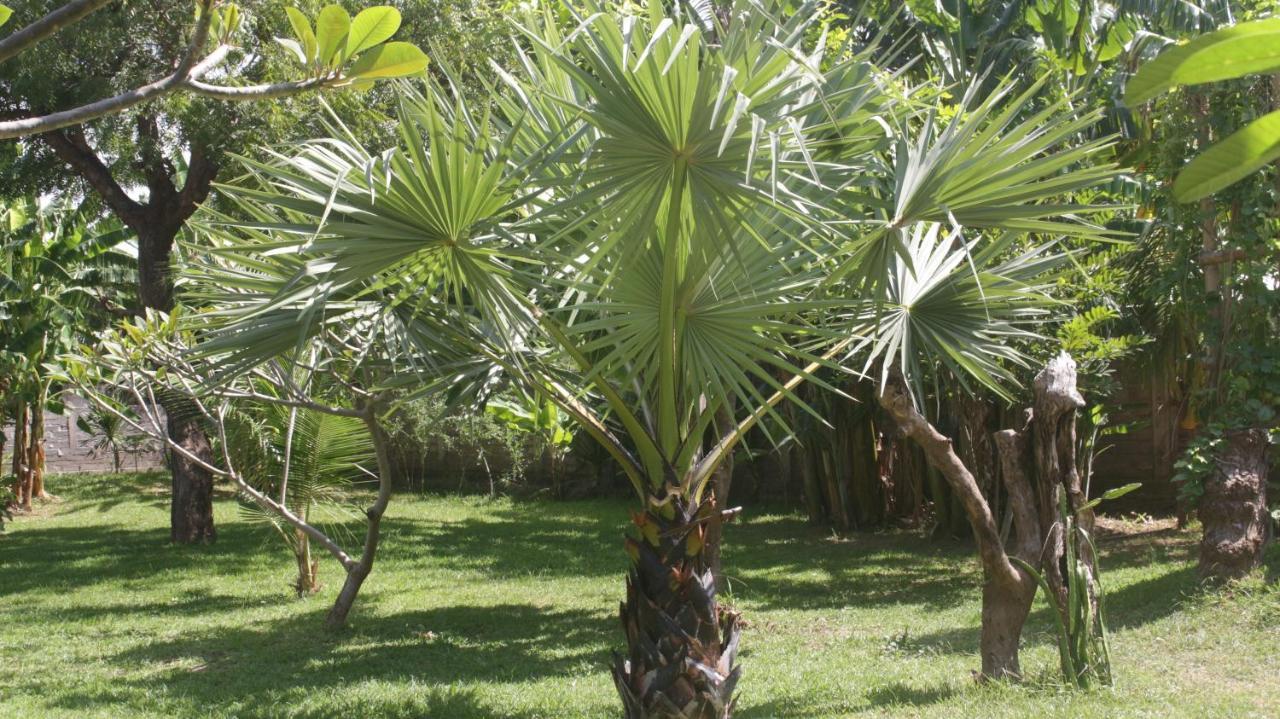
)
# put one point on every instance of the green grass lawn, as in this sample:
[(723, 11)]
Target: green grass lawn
[(483, 608)]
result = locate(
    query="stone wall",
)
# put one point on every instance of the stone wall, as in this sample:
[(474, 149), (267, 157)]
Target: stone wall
[(69, 448)]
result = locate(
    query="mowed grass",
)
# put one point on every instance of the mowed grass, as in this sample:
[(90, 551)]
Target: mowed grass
[(482, 608)]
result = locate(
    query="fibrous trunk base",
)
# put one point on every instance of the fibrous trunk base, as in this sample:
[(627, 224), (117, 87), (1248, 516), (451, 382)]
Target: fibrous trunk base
[(1234, 508), (681, 646)]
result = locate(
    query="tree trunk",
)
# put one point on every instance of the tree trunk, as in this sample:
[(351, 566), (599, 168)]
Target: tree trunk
[(358, 572), (191, 501), (191, 507), (721, 481), (681, 646), (36, 468), (21, 457), (1053, 430), (1005, 606), (308, 567), (1007, 589), (1234, 508)]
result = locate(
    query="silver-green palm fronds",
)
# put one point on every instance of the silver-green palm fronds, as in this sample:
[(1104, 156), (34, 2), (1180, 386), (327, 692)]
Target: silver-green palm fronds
[(643, 227), (969, 307)]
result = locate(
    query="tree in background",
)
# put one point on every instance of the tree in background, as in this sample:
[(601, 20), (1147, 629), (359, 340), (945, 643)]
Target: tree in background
[(158, 129), (1224, 311), (60, 279)]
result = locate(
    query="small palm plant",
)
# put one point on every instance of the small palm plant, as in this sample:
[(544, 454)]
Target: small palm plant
[(109, 432), (308, 461)]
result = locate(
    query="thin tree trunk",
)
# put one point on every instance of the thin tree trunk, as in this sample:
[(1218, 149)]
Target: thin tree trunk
[(21, 456), (37, 449), (308, 567), (358, 572), (1234, 508), (721, 481), (681, 645)]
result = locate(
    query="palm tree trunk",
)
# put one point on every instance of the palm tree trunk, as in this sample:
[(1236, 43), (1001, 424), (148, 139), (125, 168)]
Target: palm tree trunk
[(308, 568), (681, 646), (1234, 508)]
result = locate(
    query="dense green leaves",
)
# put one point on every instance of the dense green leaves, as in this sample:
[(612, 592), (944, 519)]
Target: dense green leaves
[(1241, 154), (1234, 51)]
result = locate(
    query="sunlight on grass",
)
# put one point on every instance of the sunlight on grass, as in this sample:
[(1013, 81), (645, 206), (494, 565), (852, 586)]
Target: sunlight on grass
[(484, 608)]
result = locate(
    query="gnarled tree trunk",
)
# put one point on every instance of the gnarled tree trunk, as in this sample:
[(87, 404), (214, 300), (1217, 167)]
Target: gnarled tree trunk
[(1233, 509), (681, 645), (1007, 590), (1037, 465)]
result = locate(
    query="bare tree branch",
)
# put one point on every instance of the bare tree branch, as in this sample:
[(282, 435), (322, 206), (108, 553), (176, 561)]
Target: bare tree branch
[(49, 24)]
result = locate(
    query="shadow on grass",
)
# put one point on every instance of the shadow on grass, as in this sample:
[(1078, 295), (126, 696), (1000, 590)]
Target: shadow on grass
[(771, 564), (282, 662)]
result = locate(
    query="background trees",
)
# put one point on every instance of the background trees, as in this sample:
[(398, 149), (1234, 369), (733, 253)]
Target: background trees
[(153, 156), (61, 278)]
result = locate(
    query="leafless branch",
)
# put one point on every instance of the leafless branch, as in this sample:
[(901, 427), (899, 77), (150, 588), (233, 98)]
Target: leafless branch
[(70, 13)]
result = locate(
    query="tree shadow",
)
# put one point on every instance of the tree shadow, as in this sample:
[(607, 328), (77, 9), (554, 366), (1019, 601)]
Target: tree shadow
[(272, 661), (73, 557), (859, 569), (104, 492), (565, 539)]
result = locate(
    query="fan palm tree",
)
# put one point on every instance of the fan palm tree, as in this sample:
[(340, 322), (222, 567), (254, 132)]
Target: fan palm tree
[(663, 218)]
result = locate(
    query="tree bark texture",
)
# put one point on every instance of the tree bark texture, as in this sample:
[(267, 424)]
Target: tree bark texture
[(1037, 465), (1233, 509), (681, 645), (191, 506)]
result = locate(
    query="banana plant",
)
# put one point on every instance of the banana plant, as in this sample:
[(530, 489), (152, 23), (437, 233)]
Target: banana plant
[(61, 278), (1232, 52)]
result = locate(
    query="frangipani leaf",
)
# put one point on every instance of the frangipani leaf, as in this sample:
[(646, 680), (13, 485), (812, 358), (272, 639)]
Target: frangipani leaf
[(332, 25), (393, 59), (303, 32), (371, 27)]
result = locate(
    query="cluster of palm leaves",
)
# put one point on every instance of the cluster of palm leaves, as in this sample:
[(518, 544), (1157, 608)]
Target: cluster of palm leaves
[(658, 214), (308, 462)]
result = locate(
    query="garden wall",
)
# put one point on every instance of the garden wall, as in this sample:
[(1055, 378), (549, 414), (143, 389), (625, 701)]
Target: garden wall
[(69, 448)]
